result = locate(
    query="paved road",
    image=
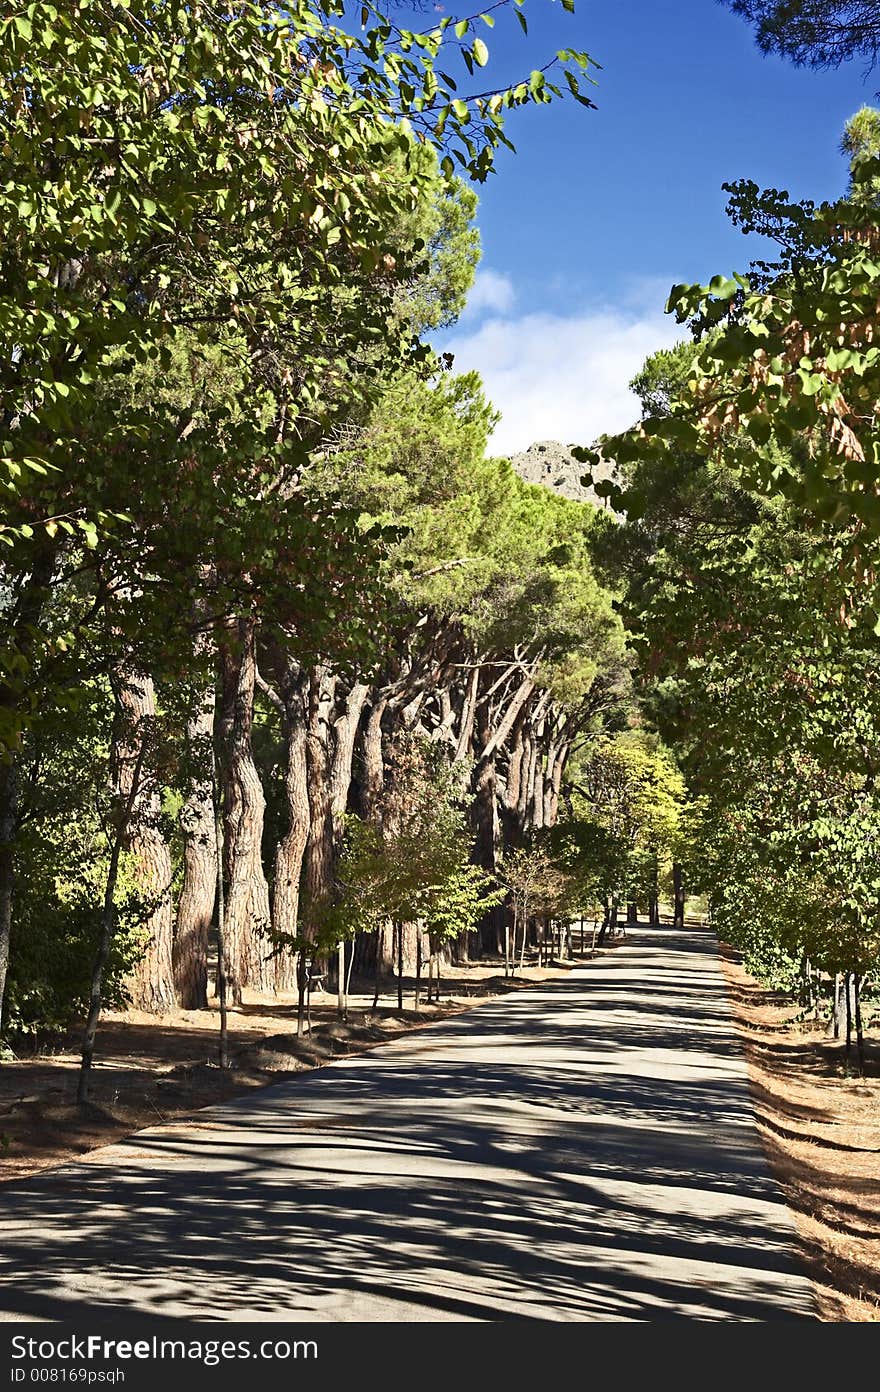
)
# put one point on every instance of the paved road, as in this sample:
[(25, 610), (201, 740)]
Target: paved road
[(584, 1150)]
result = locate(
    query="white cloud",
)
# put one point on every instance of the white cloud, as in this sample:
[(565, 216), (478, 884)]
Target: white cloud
[(490, 292), (563, 377)]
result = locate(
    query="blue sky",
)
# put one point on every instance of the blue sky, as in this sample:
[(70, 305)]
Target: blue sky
[(585, 228)]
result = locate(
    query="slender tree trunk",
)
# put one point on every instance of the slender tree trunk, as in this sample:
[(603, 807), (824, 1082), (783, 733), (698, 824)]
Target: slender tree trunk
[(606, 920), (679, 895), (654, 910), (9, 782), (486, 826), (108, 927), (468, 713), (318, 861), (378, 969), (525, 932), (345, 729), (20, 627), (849, 1015), (222, 959), (151, 984), (302, 986), (348, 979), (290, 850), (399, 929), (835, 1023), (860, 1038), (418, 968), (126, 803), (805, 982), (195, 910), (248, 916)]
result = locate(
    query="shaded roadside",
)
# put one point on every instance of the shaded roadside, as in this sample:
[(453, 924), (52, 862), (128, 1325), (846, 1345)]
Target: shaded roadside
[(821, 1133)]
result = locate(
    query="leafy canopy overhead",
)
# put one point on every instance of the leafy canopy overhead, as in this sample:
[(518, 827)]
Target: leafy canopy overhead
[(168, 164)]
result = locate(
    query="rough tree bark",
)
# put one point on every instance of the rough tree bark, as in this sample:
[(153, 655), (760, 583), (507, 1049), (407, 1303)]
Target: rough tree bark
[(486, 827), (468, 712), (130, 779), (557, 758), (195, 909), (345, 728), (21, 626), (248, 918), (291, 848), (373, 762), (151, 984), (317, 877)]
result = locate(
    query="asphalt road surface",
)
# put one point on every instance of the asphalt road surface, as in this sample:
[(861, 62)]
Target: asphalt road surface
[(585, 1150)]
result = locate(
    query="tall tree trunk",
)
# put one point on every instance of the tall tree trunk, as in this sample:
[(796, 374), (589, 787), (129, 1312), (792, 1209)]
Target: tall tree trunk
[(486, 827), (537, 814), (836, 1020), (291, 848), (318, 860), (151, 983), (860, 1037), (377, 965), (525, 934), (319, 847), (527, 781), (222, 958), (418, 969), (512, 824), (345, 728), (195, 909), (556, 755), (20, 636), (373, 762), (248, 918), (124, 751), (654, 897), (468, 712), (341, 990)]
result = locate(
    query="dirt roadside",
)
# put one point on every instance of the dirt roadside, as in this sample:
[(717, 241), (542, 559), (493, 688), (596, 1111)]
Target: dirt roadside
[(821, 1132), (150, 1070)]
